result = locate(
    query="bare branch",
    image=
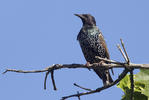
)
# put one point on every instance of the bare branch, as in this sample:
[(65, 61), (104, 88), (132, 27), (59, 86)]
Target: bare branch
[(129, 67), (91, 66), (131, 71), (52, 77), (128, 60), (110, 61), (78, 96), (132, 84), (45, 81), (81, 87), (121, 76), (22, 71), (123, 54)]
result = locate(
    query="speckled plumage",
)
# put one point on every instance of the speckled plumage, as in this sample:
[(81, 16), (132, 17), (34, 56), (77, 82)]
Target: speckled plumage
[(93, 44)]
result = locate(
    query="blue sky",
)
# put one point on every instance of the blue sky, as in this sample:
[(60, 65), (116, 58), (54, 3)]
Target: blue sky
[(37, 33)]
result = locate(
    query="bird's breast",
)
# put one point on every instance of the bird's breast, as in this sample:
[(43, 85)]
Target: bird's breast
[(88, 35), (91, 44)]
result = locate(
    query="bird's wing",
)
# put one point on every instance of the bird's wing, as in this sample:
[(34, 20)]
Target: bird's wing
[(101, 38)]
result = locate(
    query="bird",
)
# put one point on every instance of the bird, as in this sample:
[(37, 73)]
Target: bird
[(93, 44)]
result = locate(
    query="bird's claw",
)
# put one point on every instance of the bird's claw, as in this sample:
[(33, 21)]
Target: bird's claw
[(88, 64)]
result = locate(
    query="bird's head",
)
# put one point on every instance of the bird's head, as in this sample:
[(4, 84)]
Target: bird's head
[(87, 19)]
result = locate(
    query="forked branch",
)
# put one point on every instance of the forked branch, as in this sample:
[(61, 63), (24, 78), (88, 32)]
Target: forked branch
[(127, 65)]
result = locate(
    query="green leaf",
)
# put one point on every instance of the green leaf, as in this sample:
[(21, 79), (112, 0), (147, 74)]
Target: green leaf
[(141, 86), (124, 84), (136, 95), (143, 77)]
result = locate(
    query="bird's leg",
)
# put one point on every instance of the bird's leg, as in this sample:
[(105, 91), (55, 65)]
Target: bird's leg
[(101, 63), (107, 75), (88, 64)]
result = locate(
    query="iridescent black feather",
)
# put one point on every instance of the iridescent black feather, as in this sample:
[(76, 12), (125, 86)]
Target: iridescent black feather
[(93, 44)]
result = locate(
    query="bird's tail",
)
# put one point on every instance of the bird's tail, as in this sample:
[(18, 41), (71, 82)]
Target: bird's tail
[(104, 75)]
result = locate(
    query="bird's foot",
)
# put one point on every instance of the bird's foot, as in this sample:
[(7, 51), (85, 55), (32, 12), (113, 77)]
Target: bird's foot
[(101, 63), (88, 64)]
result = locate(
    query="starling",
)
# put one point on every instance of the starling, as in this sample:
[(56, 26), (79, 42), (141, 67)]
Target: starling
[(93, 44)]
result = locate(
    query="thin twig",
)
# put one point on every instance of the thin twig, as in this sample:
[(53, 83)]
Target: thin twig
[(109, 60), (128, 60), (120, 49), (78, 96), (22, 71), (81, 87), (52, 77), (45, 80)]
